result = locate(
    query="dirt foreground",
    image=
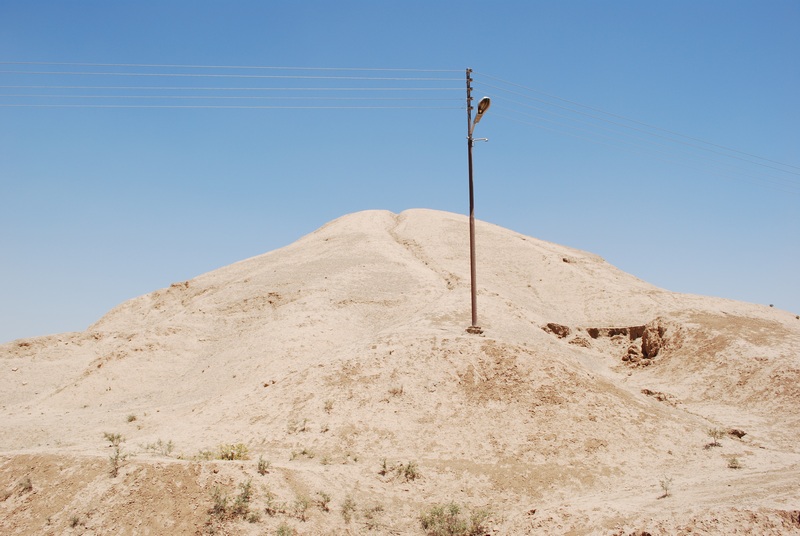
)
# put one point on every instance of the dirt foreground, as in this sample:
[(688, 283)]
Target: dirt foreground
[(329, 387)]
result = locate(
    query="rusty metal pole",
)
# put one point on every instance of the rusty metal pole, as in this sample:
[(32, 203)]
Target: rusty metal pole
[(474, 328)]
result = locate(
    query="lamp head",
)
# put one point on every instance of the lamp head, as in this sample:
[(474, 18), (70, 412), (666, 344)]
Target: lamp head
[(483, 105)]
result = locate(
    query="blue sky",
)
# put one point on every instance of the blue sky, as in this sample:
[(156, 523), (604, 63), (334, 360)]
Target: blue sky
[(662, 136)]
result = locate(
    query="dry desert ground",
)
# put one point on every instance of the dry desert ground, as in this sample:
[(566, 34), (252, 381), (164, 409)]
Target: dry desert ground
[(329, 387)]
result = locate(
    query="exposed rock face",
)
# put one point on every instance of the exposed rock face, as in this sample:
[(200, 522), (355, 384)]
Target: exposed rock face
[(557, 329), (632, 332), (653, 338)]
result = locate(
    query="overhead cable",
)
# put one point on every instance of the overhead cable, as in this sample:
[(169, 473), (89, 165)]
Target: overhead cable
[(220, 75), (611, 114), (261, 67), (634, 135)]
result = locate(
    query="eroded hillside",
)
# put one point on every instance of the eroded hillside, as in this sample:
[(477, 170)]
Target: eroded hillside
[(329, 387)]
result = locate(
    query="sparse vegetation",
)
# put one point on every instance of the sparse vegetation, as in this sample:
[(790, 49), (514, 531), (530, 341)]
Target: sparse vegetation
[(410, 471), (241, 504), (328, 406), (25, 485), (272, 507), (284, 530), (666, 487), (301, 505), (372, 516), (715, 434), (131, 418), (396, 391), (348, 509), (448, 520), (324, 501), (220, 508), (262, 466), (297, 426), (117, 457), (160, 447), (306, 452), (219, 502), (407, 472), (734, 463), (236, 451)]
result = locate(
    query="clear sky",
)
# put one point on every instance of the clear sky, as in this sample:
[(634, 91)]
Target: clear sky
[(662, 136)]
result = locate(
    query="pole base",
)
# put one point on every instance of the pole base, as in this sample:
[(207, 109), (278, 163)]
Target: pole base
[(474, 330)]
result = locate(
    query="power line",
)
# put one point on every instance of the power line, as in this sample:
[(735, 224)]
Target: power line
[(196, 88), (219, 75), (785, 185), (653, 127), (263, 67), (634, 135), (619, 131), (251, 107), (248, 97)]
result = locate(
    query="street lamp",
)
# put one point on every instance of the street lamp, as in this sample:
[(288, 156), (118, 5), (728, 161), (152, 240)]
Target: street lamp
[(483, 105)]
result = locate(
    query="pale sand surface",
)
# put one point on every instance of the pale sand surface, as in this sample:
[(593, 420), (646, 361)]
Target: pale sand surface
[(348, 348)]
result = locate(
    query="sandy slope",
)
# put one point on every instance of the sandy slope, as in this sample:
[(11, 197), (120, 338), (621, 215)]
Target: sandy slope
[(586, 391)]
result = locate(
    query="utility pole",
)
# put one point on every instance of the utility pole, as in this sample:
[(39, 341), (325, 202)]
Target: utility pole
[(483, 105)]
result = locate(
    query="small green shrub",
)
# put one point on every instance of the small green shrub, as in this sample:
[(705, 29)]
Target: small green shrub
[(222, 509), (666, 486), (117, 457), (715, 434), (448, 520), (160, 447), (114, 439), (236, 451), (219, 502), (241, 505), (301, 505), (409, 471), (734, 463), (263, 466)]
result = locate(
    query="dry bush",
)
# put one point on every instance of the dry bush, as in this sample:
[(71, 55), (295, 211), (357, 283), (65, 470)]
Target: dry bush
[(715, 434), (117, 457), (666, 486), (236, 451), (448, 520), (262, 466), (348, 509)]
